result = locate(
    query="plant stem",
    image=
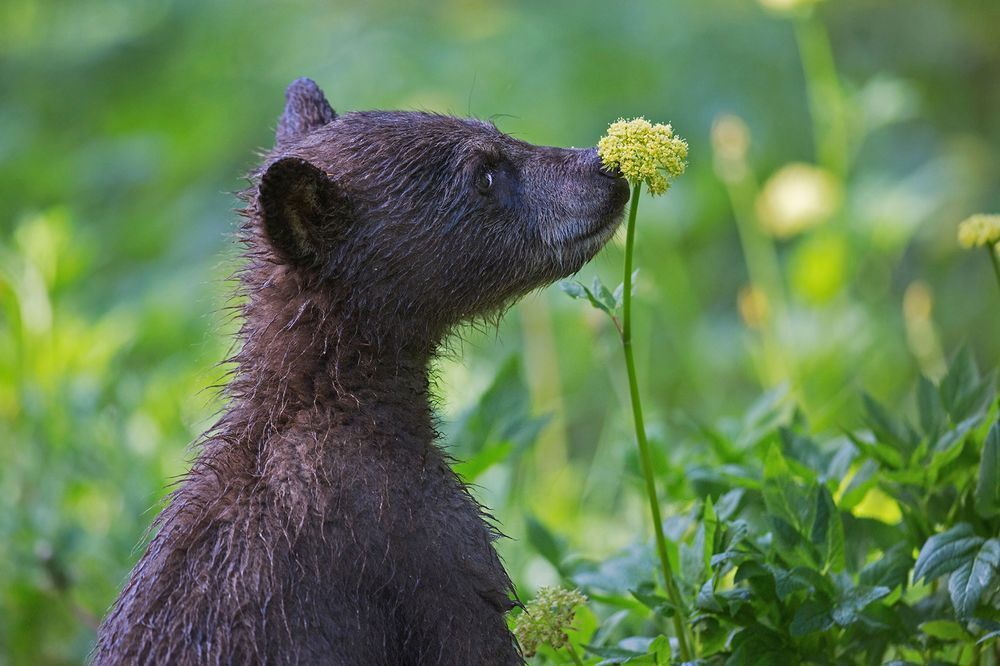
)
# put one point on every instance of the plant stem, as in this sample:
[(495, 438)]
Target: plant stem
[(994, 250), (826, 99), (640, 432), (573, 654)]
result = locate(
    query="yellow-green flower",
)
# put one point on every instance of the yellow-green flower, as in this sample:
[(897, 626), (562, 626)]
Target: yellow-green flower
[(643, 151), (546, 619), (797, 197), (979, 231)]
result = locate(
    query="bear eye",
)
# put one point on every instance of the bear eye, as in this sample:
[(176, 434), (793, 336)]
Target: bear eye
[(484, 182)]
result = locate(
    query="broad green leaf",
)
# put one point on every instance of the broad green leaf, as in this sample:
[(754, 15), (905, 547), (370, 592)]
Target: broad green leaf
[(757, 645), (828, 531), (654, 602), (932, 415), (864, 479), (962, 378), (945, 630), (782, 496), (705, 600), (735, 599), (628, 570), (545, 543), (728, 504), (849, 606), (946, 552), (693, 567), (949, 445), (883, 453), (602, 294), (711, 523), (470, 469), (786, 583), (963, 392), (602, 300), (809, 617), (891, 570), (968, 583), (887, 429), (572, 289), (988, 484)]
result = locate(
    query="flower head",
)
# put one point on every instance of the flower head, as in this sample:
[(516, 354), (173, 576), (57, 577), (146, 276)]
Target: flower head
[(797, 197), (643, 151), (979, 231), (546, 619)]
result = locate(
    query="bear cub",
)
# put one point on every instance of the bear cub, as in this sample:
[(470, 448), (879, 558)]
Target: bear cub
[(320, 522)]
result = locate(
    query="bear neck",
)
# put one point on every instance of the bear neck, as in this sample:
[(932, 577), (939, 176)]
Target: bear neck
[(304, 364)]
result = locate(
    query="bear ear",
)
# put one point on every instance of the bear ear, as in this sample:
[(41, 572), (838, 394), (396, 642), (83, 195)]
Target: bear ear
[(306, 109), (302, 210)]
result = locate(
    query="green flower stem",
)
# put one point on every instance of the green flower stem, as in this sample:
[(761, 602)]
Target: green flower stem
[(573, 655), (826, 98), (994, 250), (764, 271), (640, 432)]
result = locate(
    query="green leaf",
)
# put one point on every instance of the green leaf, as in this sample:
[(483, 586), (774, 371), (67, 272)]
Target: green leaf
[(627, 570), (930, 409), (619, 292), (828, 530), (945, 630), (964, 394), (782, 496), (809, 617), (711, 523), (849, 606), (757, 645), (654, 602), (883, 453), (949, 445), (545, 543), (887, 429), (471, 468), (962, 378), (891, 570), (572, 289), (864, 479), (599, 296), (968, 583), (988, 484), (602, 294), (946, 552)]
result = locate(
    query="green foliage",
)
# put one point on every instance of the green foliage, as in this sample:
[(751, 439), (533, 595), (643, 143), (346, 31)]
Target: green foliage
[(124, 126), (780, 564)]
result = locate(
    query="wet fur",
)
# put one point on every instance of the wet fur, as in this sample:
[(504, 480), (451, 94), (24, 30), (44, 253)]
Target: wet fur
[(320, 523)]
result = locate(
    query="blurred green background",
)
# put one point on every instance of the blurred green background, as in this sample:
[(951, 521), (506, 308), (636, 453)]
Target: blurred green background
[(811, 245)]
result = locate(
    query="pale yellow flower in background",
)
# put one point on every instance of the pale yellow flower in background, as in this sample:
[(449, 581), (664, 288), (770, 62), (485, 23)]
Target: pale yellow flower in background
[(547, 618), (797, 197), (979, 231), (643, 151), (787, 5)]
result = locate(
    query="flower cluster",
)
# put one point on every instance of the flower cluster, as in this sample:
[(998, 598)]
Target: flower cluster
[(546, 619), (980, 231), (796, 198), (643, 151)]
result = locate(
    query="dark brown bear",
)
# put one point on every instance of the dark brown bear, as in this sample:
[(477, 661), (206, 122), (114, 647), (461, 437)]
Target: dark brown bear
[(320, 523)]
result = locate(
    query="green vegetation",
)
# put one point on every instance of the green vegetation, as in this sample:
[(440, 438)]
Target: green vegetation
[(807, 260)]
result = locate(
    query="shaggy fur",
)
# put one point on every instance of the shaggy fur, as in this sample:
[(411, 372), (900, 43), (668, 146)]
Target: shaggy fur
[(320, 523)]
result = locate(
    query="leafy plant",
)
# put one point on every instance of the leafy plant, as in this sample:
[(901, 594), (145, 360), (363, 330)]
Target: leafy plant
[(881, 545)]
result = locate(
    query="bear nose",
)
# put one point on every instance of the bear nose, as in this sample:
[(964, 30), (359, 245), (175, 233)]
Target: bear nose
[(610, 172), (595, 159)]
